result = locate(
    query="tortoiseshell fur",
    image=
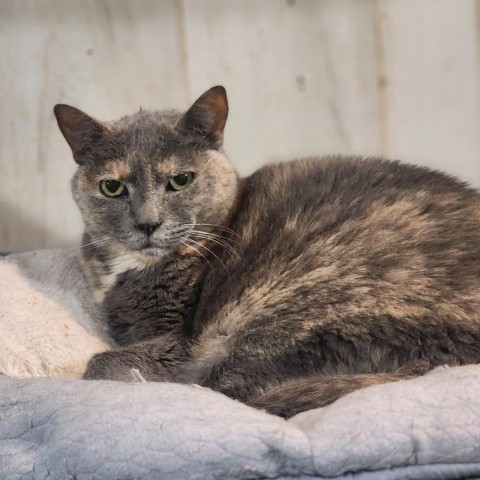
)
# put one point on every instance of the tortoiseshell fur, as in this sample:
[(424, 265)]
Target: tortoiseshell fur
[(309, 279)]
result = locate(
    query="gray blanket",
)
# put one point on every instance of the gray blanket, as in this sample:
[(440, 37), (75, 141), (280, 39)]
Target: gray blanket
[(427, 428)]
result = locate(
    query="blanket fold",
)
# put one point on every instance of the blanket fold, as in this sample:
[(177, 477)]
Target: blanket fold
[(424, 428)]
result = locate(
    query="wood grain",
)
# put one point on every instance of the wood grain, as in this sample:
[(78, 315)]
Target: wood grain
[(431, 84), (301, 75)]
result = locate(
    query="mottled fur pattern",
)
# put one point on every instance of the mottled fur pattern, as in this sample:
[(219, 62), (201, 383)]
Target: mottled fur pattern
[(286, 289)]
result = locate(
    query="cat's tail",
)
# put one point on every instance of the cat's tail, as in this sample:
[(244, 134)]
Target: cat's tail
[(300, 394)]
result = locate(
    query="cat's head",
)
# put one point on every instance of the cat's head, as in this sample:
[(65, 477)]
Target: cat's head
[(146, 182)]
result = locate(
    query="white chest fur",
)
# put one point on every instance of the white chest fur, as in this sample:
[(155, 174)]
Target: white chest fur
[(103, 277)]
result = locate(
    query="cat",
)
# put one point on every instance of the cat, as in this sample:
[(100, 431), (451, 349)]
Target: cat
[(284, 290)]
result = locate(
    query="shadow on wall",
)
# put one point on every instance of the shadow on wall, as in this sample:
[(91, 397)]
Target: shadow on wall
[(24, 232)]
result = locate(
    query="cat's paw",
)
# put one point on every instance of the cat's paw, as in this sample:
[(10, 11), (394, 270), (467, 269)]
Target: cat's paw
[(114, 365)]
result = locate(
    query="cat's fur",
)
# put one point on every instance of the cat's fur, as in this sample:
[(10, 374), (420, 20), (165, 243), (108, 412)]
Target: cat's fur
[(325, 274)]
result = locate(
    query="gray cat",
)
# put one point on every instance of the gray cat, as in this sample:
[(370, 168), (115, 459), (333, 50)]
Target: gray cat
[(286, 289)]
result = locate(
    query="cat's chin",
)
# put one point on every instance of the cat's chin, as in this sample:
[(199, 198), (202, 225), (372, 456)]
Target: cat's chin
[(152, 252)]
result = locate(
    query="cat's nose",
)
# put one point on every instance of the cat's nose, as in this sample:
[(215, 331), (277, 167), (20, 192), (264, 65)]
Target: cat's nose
[(147, 228)]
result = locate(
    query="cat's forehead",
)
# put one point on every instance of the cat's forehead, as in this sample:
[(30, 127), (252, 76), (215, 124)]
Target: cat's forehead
[(147, 132), (147, 144)]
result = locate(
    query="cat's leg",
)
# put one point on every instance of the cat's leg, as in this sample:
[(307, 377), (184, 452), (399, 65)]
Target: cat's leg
[(249, 364), (154, 359), (301, 394), (252, 384)]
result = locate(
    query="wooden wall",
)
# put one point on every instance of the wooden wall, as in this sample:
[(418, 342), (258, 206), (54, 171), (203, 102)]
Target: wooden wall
[(398, 78)]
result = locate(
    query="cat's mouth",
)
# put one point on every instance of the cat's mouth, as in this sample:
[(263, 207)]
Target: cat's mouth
[(150, 249), (155, 247)]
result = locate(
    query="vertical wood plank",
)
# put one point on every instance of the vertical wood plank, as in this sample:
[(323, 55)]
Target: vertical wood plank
[(431, 55), (301, 75), (106, 57)]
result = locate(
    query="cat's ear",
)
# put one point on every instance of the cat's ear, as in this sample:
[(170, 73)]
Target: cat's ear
[(79, 129), (208, 115)]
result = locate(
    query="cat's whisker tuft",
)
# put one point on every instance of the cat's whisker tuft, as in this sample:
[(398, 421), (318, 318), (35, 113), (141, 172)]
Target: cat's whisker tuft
[(217, 239), (97, 243), (184, 241), (214, 227), (206, 248)]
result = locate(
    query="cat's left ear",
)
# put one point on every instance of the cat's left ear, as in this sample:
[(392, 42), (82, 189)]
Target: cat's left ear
[(79, 129), (207, 116)]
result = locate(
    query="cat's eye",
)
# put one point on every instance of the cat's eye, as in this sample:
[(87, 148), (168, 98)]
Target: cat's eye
[(112, 188), (180, 181)]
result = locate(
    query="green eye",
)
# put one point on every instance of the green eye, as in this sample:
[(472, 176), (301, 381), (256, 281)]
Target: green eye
[(112, 188), (180, 181)]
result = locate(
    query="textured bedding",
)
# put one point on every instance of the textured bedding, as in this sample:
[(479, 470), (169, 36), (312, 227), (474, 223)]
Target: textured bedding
[(427, 428)]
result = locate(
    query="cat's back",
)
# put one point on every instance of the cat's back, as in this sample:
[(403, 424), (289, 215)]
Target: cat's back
[(349, 185), (320, 204), (341, 230)]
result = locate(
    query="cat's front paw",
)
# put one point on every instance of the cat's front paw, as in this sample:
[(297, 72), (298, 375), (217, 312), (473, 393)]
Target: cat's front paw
[(114, 365)]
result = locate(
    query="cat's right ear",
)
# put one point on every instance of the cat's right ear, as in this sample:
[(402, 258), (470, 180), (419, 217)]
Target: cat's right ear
[(208, 115), (79, 129)]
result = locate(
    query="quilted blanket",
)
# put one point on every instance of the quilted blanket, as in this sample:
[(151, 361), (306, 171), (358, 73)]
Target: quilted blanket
[(426, 428)]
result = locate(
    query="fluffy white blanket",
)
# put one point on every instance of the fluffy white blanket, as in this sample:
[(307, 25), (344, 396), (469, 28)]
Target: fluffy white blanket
[(47, 318)]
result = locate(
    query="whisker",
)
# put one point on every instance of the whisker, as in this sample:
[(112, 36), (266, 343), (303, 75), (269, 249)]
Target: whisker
[(99, 242), (219, 227), (96, 242), (216, 239), (206, 248), (222, 241), (196, 249), (216, 235)]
